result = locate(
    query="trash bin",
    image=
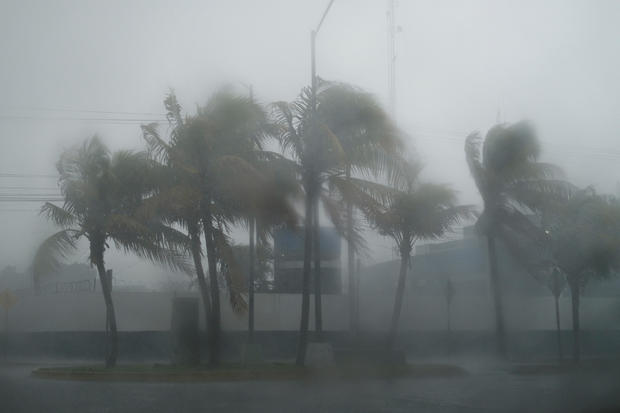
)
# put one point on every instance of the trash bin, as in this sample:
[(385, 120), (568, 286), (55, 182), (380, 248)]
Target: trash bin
[(184, 331)]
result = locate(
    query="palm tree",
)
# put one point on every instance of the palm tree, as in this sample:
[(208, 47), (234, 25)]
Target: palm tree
[(511, 183), (315, 150), (347, 119), (102, 195), (370, 143), (584, 242), (215, 162), (414, 211), (178, 195), (535, 255)]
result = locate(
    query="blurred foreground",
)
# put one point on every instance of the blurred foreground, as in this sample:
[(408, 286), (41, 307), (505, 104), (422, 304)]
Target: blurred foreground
[(488, 387)]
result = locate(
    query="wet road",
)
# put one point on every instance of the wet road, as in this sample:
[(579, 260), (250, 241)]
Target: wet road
[(484, 390)]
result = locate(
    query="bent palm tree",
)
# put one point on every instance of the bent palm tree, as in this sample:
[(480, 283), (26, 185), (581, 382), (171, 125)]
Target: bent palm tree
[(414, 211), (178, 195), (511, 182), (213, 157), (315, 150), (102, 194), (347, 120), (370, 143)]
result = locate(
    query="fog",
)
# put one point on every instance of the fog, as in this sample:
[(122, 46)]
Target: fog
[(461, 66), (492, 290)]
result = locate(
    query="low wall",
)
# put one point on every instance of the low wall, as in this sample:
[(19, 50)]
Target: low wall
[(151, 311), (156, 345)]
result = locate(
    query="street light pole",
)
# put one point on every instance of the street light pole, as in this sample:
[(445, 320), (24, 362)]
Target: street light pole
[(313, 68), (316, 243)]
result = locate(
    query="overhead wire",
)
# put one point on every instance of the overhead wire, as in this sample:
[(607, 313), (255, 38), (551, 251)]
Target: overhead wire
[(72, 110)]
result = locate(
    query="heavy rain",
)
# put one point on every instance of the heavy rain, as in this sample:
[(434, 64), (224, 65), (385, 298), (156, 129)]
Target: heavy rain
[(309, 206)]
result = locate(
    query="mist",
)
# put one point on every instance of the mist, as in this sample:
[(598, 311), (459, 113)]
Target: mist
[(541, 70)]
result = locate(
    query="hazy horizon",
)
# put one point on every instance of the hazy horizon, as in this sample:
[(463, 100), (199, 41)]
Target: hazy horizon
[(461, 67)]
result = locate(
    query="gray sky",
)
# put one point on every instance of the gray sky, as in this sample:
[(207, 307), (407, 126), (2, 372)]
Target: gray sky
[(459, 64)]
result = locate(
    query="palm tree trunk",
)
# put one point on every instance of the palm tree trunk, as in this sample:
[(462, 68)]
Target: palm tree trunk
[(215, 320), (574, 292), (558, 326), (398, 301), (302, 343), (497, 297), (318, 293), (252, 247), (196, 250), (351, 276), (112, 333)]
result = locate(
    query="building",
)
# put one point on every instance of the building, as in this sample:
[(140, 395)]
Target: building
[(288, 249)]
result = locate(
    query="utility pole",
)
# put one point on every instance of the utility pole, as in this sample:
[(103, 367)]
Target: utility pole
[(252, 224), (313, 35)]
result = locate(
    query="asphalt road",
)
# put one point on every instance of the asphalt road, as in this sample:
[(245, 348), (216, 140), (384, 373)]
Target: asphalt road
[(486, 389)]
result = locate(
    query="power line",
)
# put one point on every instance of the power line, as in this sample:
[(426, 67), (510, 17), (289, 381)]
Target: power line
[(31, 195), (71, 110), (23, 175), (31, 199), (22, 117), (19, 188)]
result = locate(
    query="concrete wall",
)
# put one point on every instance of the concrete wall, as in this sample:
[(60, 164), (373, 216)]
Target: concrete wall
[(142, 311)]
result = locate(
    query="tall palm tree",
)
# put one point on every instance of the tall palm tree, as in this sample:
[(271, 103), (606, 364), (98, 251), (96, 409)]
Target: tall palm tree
[(216, 161), (414, 211), (370, 143), (316, 151), (350, 134), (178, 197), (511, 183), (102, 195)]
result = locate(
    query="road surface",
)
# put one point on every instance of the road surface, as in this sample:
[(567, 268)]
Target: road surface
[(486, 389)]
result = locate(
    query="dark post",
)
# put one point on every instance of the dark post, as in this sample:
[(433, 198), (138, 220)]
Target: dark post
[(185, 333), (251, 282), (6, 331)]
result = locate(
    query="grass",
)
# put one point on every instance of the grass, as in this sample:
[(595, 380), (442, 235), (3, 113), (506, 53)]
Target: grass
[(566, 367), (239, 372)]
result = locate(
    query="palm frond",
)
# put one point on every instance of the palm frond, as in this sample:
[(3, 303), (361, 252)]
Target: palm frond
[(356, 190), (59, 216), (519, 223), (336, 212), (507, 146), (474, 161), (235, 281), (151, 251), (537, 194), (155, 242), (52, 251), (157, 148)]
